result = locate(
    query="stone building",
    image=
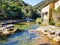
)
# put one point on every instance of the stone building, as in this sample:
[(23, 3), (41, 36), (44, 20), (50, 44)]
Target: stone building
[(47, 10)]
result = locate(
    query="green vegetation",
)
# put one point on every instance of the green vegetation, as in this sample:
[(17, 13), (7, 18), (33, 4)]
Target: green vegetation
[(22, 26), (57, 10), (56, 13), (52, 22), (16, 9), (38, 20)]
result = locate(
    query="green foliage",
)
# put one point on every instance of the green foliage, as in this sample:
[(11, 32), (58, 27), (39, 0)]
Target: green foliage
[(52, 22), (38, 20), (54, 11), (57, 13), (58, 9), (17, 9), (35, 14), (21, 26), (11, 8)]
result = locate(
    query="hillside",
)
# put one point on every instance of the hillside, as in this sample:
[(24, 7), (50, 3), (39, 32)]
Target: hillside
[(16, 9)]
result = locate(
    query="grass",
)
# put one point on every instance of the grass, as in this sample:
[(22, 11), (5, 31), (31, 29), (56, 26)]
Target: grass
[(22, 26)]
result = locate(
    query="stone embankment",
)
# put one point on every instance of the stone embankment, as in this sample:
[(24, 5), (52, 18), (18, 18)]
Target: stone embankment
[(7, 29)]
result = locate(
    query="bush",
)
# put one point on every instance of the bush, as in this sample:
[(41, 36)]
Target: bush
[(38, 20), (52, 22)]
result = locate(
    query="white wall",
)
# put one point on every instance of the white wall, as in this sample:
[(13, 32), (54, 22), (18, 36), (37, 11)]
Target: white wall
[(45, 17), (45, 9), (57, 4)]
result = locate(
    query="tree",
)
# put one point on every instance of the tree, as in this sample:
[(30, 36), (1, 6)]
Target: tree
[(56, 14), (14, 9)]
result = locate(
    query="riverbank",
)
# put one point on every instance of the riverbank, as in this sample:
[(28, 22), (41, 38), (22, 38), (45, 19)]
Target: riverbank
[(51, 31), (43, 40), (7, 29), (28, 38)]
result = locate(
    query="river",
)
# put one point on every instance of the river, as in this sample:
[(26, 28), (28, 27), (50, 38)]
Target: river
[(26, 38)]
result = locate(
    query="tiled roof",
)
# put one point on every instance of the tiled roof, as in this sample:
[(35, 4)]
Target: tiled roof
[(44, 3)]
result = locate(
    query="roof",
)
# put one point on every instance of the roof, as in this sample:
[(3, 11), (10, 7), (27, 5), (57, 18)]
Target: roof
[(44, 3)]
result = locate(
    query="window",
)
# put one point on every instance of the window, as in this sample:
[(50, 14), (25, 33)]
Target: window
[(42, 13), (46, 13)]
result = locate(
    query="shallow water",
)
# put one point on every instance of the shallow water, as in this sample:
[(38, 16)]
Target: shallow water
[(26, 38)]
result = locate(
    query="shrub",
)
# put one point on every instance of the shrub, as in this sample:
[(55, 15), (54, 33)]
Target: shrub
[(38, 20), (52, 22)]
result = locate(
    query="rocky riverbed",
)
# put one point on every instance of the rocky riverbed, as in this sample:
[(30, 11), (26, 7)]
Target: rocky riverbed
[(28, 37)]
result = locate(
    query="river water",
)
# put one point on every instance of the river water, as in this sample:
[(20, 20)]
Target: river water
[(27, 38)]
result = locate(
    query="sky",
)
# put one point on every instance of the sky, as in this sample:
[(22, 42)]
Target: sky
[(32, 2)]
